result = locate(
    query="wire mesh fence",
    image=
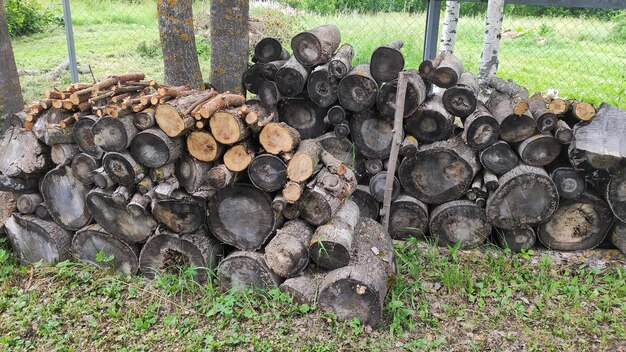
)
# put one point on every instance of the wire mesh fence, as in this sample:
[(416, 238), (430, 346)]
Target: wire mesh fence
[(583, 57)]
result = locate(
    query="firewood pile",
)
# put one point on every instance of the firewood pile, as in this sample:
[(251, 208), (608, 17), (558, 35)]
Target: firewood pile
[(285, 189)]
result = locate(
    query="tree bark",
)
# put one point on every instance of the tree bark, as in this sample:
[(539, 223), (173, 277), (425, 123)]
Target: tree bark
[(459, 221), (450, 22), (303, 288), (18, 184), (11, 100), (244, 269), (358, 90), (331, 244), (153, 148), (491, 43), (408, 218), (305, 161), (287, 254), (34, 240), (387, 61), (21, 154), (93, 239), (316, 46)]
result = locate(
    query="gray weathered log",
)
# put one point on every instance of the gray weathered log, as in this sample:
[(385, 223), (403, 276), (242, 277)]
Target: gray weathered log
[(539, 150), (260, 72), (101, 178), (459, 222), (341, 63), (270, 49), (372, 134), (563, 133), (26, 203), (84, 137), (65, 196), (617, 235), (322, 86), (301, 114), (268, 173), (18, 184), (415, 94), (153, 148), (461, 99), (326, 195), (182, 214), (514, 128), (499, 158), (244, 269), (377, 186), (357, 90), (34, 239), (331, 244), (430, 122), (317, 45), (408, 218), (546, 120), (387, 61), (480, 129), (144, 119), (93, 241), (517, 240), (287, 254), (63, 154), (123, 168), (114, 134), (291, 78), (21, 154)]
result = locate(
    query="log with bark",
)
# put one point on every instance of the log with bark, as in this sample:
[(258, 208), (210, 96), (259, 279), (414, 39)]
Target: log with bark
[(153, 148), (514, 127), (369, 207), (260, 72), (291, 78), (26, 203), (563, 133), (287, 254), (64, 196), (372, 134), (499, 158), (461, 99), (617, 235), (303, 288), (331, 244), (569, 183), (322, 86), (35, 240), (84, 136), (269, 50), (268, 172), (245, 269), (326, 195), (21, 154), (114, 134), (279, 137), (304, 116), (517, 95), (123, 168), (203, 146), (480, 128), (517, 240), (539, 150), (387, 61), (443, 71), (546, 120), (358, 90), (182, 214), (408, 218), (377, 186), (93, 245), (459, 222), (430, 122), (229, 127), (174, 116), (341, 63), (316, 46), (415, 94)]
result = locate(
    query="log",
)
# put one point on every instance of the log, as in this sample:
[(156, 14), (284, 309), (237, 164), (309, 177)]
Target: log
[(50, 118), (220, 177), (322, 86), (387, 61), (615, 194), (577, 224), (372, 134), (341, 63), (84, 137), (192, 174), (369, 207), (617, 235), (244, 269), (430, 122), (203, 146), (443, 71), (168, 252), (331, 244), (287, 254), (144, 119), (409, 146), (377, 186), (517, 240), (93, 241), (292, 191), (480, 129), (539, 150), (514, 128), (123, 168), (153, 148), (64, 196), (258, 114), (440, 172), (416, 92), (461, 99), (9, 206), (26, 203), (259, 73), (359, 290), (172, 117), (568, 182), (34, 239), (459, 222), (101, 178), (490, 181), (279, 137), (18, 184), (342, 149), (238, 157), (342, 130), (122, 195), (41, 211), (335, 115), (408, 217), (268, 172), (526, 197), (268, 93), (499, 158), (269, 49), (316, 46), (373, 166), (328, 192), (581, 111), (563, 133), (357, 91), (183, 215), (63, 154), (301, 114), (117, 220), (305, 161), (213, 103), (247, 232), (21, 153), (303, 288), (518, 95), (545, 119), (229, 127), (114, 134), (291, 78), (558, 106)]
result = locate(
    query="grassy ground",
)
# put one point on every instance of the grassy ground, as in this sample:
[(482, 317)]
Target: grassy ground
[(442, 300), (579, 57)]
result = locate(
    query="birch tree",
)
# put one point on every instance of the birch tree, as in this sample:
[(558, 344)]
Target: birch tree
[(450, 22), (491, 43), (10, 92)]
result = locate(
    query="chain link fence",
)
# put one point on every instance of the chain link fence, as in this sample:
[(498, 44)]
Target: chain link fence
[(582, 57)]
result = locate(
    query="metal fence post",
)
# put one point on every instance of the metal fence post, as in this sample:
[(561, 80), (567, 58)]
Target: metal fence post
[(432, 29), (69, 37)]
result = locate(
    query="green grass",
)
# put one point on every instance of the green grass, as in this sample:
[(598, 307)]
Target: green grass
[(581, 57), (443, 299)]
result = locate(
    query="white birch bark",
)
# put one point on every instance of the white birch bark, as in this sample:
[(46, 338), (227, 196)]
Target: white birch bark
[(450, 21), (491, 44)]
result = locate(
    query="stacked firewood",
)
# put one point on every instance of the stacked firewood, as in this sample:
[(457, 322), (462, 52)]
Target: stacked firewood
[(286, 188)]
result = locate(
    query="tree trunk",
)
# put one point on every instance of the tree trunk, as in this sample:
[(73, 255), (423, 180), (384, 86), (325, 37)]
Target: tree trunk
[(499, 158), (331, 244), (26, 203), (93, 240), (179, 44), (387, 61), (21, 154), (84, 136), (408, 218), (227, 221), (377, 186), (461, 99), (359, 290), (279, 137), (577, 224), (440, 172), (168, 252), (291, 78), (328, 192), (341, 63), (34, 240), (117, 220), (480, 128), (153, 148), (358, 90), (539, 150), (316, 46), (243, 269), (526, 197), (68, 210), (322, 86), (268, 173), (301, 114), (450, 22), (517, 240), (459, 221), (431, 122), (416, 92), (123, 168), (491, 43), (10, 92), (372, 134), (269, 50), (287, 254)]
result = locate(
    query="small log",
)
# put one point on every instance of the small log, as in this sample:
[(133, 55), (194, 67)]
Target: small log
[(123, 168), (184, 214), (258, 114), (341, 149), (369, 207), (34, 239), (517, 240), (172, 117), (490, 181), (499, 158), (244, 269), (408, 218), (480, 129), (301, 114), (303, 288), (229, 127), (577, 224), (279, 203), (328, 192), (563, 133), (227, 221), (359, 290), (514, 127), (122, 195), (409, 146), (101, 178), (377, 186), (15, 120), (539, 150), (331, 244), (387, 61), (41, 211), (335, 115), (279, 137), (357, 91), (287, 254), (615, 194), (18, 184), (269, 94), (342, 130), (568, 182), (444, 71), (459, 222), (63, 154), (26, 203), (558, 106), (317, 45), (203, 146), (268, 173), (581, 111), (341, 63), (304, 162), (144, 119), (21, 153), (220, 177), (617, 235), (440, 172), (372, 134), (139, 204), (65, 196), (217, 103), (322, 86), (145, 185), (259, 73), (526, 197), (92, 241), (461, 99), (416, 92), (238, 157), (291, 78), (430, 122), (546, 120), (192, 174), (169, 252), (55, 134), (269, 49), (373, 166), (114, 134), (518, 94), (84, 137), (153, 148)]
